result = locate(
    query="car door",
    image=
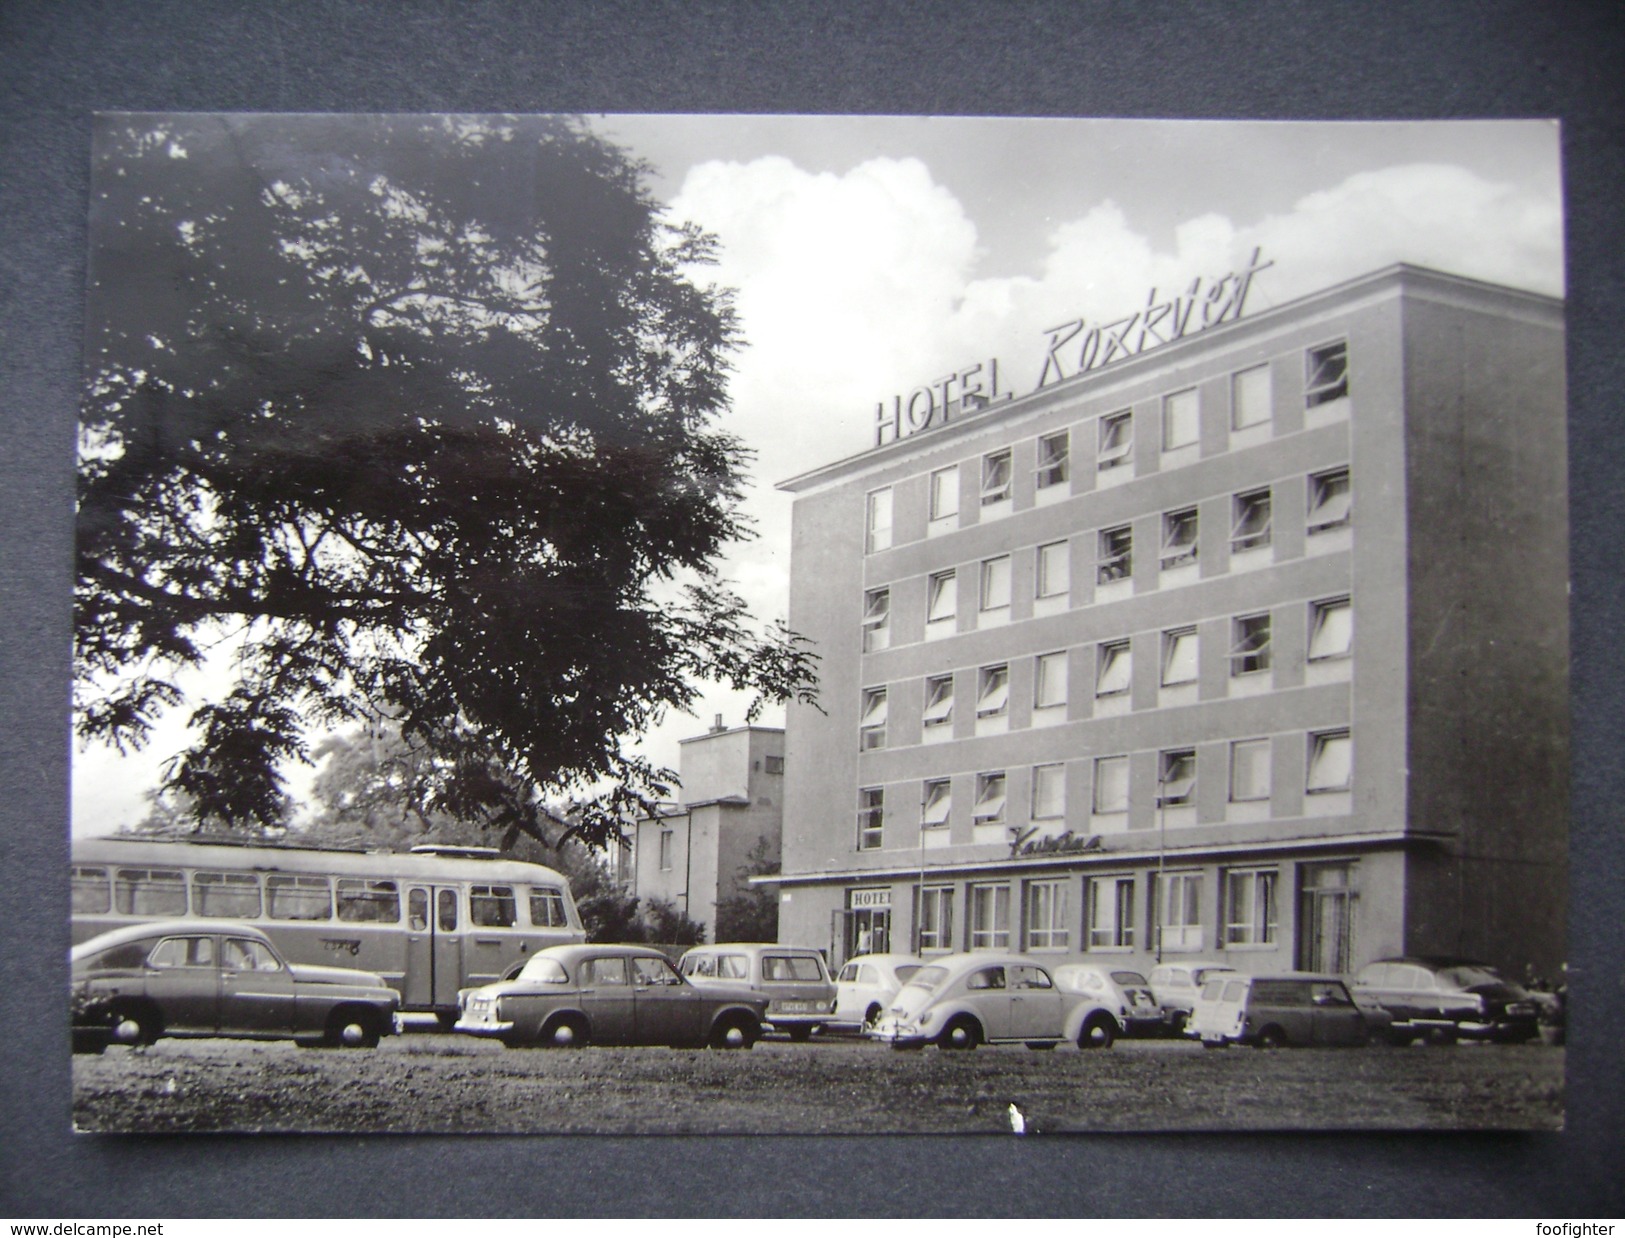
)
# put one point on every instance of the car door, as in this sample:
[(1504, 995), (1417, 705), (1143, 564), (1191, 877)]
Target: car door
[(606, 997), (1036, 1005), (1337, 1020), (666, 1009), (987, 995), (256, 990), (182, 980)]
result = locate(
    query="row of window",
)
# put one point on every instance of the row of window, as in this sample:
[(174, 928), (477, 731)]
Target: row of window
[(1330, 508), (1249, 913), (1251, 408), (303, 897), (1331, 634), (1329, 770)]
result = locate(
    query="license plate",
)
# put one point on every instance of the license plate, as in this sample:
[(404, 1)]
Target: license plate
[(795, 1007), (1520, 1008)]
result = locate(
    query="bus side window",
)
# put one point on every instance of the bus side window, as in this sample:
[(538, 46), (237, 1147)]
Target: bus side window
[(446, 906), (417, 911), (297, 897), (92, 891), (150, 892), (547, 908), (492, 906), (368, 902)]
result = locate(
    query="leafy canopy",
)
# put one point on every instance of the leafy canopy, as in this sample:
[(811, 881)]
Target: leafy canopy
[(405, 419)]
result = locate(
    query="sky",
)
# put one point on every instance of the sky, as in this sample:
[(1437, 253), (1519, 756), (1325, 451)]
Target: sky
[(872, 254)]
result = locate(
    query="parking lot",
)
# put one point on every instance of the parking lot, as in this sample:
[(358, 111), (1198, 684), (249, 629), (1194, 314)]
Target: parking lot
[(445, 1083)]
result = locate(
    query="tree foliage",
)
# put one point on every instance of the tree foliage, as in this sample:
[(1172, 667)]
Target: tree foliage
[(751, 913), (405, 420)]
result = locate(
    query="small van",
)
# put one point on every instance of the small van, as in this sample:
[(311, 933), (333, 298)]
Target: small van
[(800, 993), (1269, 1012)]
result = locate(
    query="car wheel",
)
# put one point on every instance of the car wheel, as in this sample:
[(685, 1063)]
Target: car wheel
[(801, 1034), (1272, 1037), (352, 1027), (871, 1017), (1399, 1039), (135, 1025), (1442, 1036), (962, 1033), (568, 1032), (1098, 1032), (735, 1032), (1176, 1023), (89, 1040)]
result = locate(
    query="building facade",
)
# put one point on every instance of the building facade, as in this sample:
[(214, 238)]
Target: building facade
[(1251, 646), (692, 855)]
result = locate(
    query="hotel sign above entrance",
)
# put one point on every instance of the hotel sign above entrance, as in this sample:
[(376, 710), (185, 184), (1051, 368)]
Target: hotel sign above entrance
[(1075, 347)]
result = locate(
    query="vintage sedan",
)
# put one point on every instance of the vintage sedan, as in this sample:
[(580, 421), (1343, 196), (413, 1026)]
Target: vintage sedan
[(1120, 1002), (799, 992), (964, 1000), (1440, 999), (570, 996), (866, 986), (189, 978)]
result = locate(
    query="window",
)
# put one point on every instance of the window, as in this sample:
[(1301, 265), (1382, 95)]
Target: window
[(1046, 915), (1331, 762), (1249, 907), (941, 598), (871, 808), (773, 764), (654, 974), (992, 691), (872, 723), (936, 803), (876, 620), (1179, 657), (183, 952), (547, 908), (1250, 398), (1111, 913), (1249, 770), (936, 918), (879, 520), (996, 583), (492, 906), (1180, 420), (1330, 501), (1049, 792), (1049, 680), (1053, 577), (370, 902), (1250, 644), (1178, 538), (1113, 675), (150, 892), (939, 702), (1331, 629), (293, 897), (995, 478), (1053, 465), (989, 808), (989, 917), (232, 896), (665, 850), (243, 954), (1177, 779), (945, 493), (1179, 911), (1327, 374), (1251, 530), (1116, 554), (92, 890), (1116, 439), (1111, 784), (610, 973)]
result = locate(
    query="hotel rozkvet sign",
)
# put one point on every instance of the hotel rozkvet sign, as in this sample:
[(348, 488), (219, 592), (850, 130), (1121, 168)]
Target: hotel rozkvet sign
[(1075, 347)]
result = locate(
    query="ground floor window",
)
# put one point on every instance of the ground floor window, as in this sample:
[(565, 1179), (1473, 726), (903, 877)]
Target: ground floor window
[(1179, 911), (1249, 907), (1325, 917), (1046, 915), (936, 919), (1111, 913), (990, 917)]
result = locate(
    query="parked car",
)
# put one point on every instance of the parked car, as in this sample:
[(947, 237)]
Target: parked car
[(799, 992), (964, 1000), (1176, 987), (600, 994), (1123, 997), (866, 986), (135, 984), (1440, 999), (1270, 1012)]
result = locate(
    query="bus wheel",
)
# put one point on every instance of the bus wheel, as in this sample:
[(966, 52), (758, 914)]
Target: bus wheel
[(566, 1033), (349, 1027)]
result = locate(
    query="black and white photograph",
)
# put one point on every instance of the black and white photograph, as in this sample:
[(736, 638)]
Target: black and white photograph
[(766, 624)]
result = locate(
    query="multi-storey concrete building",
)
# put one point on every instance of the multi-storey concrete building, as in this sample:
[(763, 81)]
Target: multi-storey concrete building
[(1251, 645), (733, 801)]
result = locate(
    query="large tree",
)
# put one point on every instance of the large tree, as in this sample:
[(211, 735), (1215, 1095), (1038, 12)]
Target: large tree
[(408, 419)]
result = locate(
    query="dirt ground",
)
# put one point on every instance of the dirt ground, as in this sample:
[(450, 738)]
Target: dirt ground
[(435, 1083)]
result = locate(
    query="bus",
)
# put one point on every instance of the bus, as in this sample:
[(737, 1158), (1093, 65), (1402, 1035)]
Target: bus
[(429, 921)]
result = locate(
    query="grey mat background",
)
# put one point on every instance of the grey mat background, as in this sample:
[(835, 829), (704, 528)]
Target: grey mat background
[(61, 61)]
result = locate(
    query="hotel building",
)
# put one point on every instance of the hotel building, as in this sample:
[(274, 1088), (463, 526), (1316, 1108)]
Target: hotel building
[(1250, 646)]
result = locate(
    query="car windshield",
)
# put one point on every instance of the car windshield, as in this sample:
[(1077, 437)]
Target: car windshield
[(1467, 975), (1129, 977), (544, 970), (926, 979)]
